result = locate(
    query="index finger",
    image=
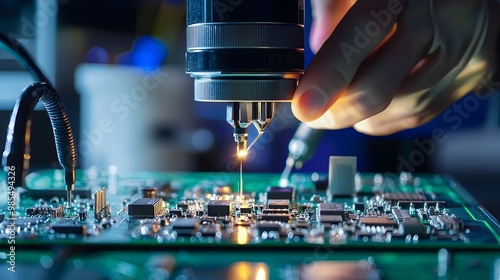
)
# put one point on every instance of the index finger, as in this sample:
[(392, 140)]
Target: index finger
[(362, 29)]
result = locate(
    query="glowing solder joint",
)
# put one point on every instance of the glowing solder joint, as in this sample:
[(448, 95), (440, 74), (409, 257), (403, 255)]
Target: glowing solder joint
[(241, 139)]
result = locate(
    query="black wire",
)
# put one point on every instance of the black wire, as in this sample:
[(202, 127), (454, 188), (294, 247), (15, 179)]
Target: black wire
[(17, 146), (12, 46)]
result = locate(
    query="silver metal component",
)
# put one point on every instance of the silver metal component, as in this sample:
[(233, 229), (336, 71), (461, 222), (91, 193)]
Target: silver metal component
[(240, 115), (230, 90), (69, 198), (241, 143), (244, 35), (265, 114)]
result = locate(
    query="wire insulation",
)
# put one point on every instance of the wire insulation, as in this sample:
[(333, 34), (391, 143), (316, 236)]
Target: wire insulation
[(17, 146)]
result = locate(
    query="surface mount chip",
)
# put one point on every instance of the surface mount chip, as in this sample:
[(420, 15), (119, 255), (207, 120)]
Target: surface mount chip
[(77, 229), (185, 226), (278, 204), (219, 208), (378, 221), (281, 193), (330, 209), (145, 207)]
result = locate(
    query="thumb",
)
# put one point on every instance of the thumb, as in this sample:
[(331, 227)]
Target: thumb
[(326, 15)]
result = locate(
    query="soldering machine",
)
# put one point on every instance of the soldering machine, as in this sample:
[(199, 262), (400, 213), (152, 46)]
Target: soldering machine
[(249, 54)]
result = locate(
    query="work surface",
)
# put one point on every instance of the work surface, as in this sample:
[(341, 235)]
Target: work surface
[(193, 226)]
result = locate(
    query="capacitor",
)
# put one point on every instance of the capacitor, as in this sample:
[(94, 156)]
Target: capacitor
[(148, 192), (341, 173)]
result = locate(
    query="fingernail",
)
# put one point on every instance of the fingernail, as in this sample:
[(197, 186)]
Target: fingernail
[(312, 102)]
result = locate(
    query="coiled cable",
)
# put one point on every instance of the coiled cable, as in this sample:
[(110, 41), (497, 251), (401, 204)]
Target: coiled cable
[(17, 146)]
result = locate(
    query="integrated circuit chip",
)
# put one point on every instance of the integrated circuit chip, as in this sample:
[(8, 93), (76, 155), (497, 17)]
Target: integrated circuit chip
[(378, 221), (413, 226), (278, 203), (145, 207), (330, 219), (330, 209), (185, 226), (245, 210), (268, 226), (175, 212), (396, 197), (275, 217), (77, 229), (219, 208), (281, 193)]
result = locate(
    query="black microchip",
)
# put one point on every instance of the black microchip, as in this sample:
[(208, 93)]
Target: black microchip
[(281, 193), (394, 198), (378, 221), (268, 226), (275, 211), (330, 219), (275, 217), (219, 208), (82, 214), (189, 223), (175, 212), (278, 203), (77, 229), (145, 207), (413, 226), (359, 206), (246, 210), (330, 209), (185, 227)]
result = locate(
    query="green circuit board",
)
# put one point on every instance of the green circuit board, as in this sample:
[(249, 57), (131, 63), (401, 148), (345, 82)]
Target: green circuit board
[(196, 226)]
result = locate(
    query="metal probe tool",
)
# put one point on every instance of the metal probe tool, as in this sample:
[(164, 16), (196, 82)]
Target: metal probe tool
[(301, 148)]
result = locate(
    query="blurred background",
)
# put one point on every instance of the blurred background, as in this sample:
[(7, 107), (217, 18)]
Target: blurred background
[(119, 67)]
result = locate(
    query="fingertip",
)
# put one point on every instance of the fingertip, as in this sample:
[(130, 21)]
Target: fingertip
[(310, 104), (365, 128)]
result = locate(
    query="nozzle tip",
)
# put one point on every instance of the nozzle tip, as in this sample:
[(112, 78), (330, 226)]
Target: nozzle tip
[(242, 154)]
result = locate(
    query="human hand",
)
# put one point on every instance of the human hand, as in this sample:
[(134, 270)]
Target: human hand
[(394, 64)]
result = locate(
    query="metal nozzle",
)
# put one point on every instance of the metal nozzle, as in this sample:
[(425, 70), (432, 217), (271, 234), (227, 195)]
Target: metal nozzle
[(241, 140), (240, 115)]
